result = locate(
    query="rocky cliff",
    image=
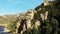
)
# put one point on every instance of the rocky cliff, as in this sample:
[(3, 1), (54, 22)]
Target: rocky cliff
[(41, 20)]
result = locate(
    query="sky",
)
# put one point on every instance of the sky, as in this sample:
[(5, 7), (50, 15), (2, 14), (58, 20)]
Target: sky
[(17, 6)]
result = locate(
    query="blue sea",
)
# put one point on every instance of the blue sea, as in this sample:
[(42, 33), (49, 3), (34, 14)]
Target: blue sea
[(2, 30)]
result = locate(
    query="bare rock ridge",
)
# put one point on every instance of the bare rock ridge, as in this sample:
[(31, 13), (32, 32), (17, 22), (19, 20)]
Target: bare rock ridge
[(26, 22), (23, 22)]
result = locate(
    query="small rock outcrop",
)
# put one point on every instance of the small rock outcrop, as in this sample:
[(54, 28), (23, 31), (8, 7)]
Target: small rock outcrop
[(44, 16)]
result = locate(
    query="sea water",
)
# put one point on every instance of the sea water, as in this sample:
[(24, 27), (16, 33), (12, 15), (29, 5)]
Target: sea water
[(2, 30)]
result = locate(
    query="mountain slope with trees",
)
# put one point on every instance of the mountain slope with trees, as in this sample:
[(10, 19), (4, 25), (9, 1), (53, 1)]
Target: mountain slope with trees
[(41, 20)]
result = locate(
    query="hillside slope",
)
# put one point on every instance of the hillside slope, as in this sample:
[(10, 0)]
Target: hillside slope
[(42, 20)]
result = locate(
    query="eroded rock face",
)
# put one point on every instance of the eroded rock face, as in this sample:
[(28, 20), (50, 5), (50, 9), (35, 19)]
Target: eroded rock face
[(26, 22), (44, 16), (30, 14), (37, 24), (20, 28)]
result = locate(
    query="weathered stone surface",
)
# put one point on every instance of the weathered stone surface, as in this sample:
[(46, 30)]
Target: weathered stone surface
[(29, 16), (37, 24), (44, 16), (27, 23)]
